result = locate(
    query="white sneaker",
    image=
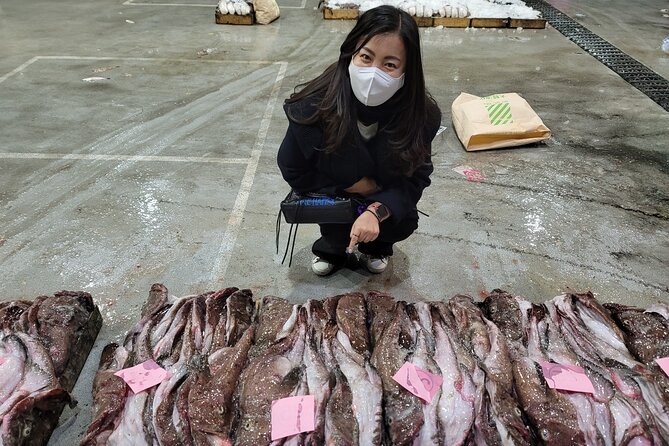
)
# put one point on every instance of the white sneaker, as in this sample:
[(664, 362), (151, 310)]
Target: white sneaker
[(321, 267), (374, 264)]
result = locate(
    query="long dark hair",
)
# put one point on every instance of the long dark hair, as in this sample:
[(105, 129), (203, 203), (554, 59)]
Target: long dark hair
[(413, 105)]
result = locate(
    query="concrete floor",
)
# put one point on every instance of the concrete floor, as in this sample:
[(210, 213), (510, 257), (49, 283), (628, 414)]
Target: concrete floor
[(166, 171)]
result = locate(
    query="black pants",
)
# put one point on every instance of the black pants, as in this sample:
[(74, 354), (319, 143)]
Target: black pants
[(336, 238)]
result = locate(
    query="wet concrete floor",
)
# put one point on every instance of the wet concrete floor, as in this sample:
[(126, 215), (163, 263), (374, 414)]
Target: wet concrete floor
[(164, 170)]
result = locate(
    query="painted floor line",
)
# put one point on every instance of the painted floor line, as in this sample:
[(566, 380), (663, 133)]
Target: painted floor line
[(222, 260), (17, 69), (142, 158), (29, 62)]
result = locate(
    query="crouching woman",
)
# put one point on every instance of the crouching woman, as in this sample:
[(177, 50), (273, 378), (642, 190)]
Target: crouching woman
[(364, 128)]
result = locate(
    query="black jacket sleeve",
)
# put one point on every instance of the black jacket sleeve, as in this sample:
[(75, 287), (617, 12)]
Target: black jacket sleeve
[(402, 195), (297, 160)]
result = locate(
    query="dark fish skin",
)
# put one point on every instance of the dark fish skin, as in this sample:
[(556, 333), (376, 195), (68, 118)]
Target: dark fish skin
[(380, 308), (28, 321), (109, 395), (403, 411), (647, 338), (210, 397), (501, 308), (352, 320), (554, 417), (646, 334), (274, 312), (60, 317), (341, 427), (10, 313), (330, 308), (240, 310), (181, 406), (158, 295)]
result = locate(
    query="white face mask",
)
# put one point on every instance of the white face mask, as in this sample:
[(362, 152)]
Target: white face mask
[(373, 86)]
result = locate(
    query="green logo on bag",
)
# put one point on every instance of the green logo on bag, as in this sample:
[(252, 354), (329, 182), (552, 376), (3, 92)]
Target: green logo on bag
[(499, 113)]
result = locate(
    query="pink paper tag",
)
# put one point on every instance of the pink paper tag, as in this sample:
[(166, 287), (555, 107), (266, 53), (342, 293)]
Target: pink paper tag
[(664, 364), (144, 375), (567, 377), (292, 415), (474, 175), (420, 382)]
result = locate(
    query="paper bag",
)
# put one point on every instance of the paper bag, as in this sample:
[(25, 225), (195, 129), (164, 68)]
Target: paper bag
[(492, 122), (266, 11)]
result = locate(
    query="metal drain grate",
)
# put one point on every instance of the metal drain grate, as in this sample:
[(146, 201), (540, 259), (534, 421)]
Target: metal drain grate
[(637, 74)]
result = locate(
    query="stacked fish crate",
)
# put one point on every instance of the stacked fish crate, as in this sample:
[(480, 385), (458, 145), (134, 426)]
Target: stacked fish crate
[(446, 13), (234, 12), (368, 369)]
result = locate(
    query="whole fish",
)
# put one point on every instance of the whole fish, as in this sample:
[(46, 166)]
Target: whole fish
[(109, 394), (458, 392), (210, 398), (366, 390), (317, 374), (483, 429), (403, 412), (423, 357), (646, 334), (268, 377), (341, 426), (352, 320)]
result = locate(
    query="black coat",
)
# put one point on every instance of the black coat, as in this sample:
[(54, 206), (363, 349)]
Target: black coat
[(307, 168)]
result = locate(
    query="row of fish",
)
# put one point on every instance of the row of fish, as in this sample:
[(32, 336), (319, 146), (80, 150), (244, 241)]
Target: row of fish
[(230, 357), (36, 341)]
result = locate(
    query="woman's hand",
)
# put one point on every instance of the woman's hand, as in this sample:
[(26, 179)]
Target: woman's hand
[(365, 229), (364, 186)]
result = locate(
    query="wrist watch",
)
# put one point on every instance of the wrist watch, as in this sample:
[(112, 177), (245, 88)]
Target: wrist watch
[(380, 210)]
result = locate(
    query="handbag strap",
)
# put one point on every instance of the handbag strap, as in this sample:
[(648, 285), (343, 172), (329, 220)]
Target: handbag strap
[(290, 233)]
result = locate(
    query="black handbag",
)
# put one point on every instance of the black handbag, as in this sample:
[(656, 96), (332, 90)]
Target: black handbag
[(319, 208), (314, 208)]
